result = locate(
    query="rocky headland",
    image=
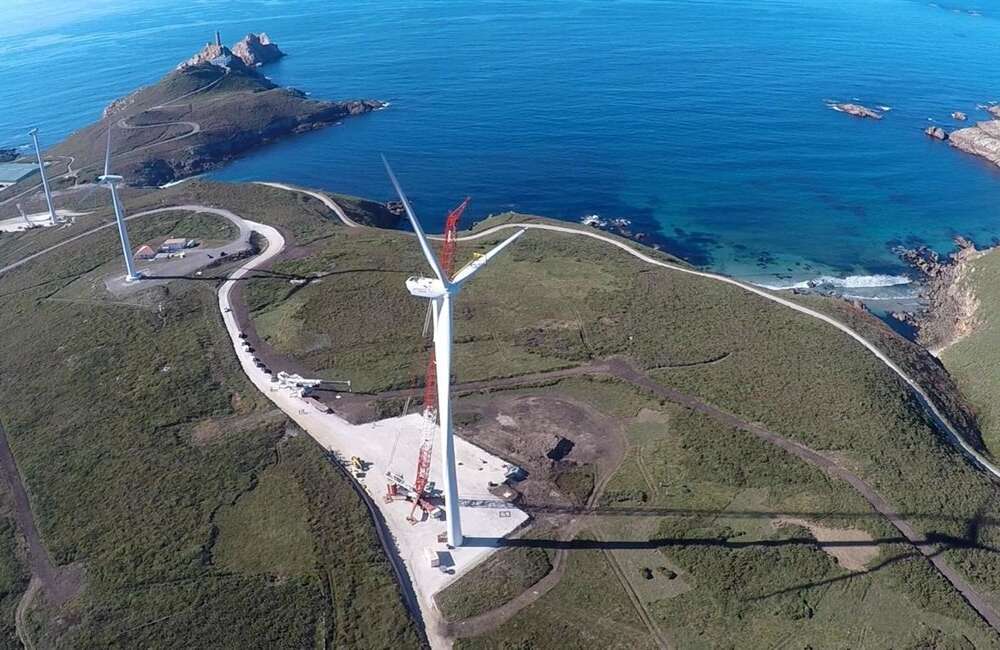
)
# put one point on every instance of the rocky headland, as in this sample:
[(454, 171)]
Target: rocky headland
[(856, 110), (213, 108), (950, 311)]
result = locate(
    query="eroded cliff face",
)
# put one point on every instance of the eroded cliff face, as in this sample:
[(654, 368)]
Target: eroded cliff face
[(951, 305)]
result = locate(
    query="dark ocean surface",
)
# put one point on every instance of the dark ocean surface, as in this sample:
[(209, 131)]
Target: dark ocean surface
[(702, 122)]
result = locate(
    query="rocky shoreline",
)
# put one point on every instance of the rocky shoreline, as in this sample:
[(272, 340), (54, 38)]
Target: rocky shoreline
[(214, 107), (950, 311)]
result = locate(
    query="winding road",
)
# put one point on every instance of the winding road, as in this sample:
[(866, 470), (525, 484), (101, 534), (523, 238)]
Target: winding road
[(276, 245), (923, 397)]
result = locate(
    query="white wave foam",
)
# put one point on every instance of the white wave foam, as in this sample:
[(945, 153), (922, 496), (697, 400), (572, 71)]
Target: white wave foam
[(849, 282)]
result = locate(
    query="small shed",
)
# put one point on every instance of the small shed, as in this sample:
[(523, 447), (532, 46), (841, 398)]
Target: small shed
[(145, 252), (174, 245)]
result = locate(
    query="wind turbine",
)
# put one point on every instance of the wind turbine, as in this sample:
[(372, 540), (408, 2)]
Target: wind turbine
[(41, 170), (111, 180), (440, 290)]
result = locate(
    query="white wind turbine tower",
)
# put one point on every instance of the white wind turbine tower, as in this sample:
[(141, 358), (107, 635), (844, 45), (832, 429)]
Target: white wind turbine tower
[(41, 170), (111, 181), (440, 290)]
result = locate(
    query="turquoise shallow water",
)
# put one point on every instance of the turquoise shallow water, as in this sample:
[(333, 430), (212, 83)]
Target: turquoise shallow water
[(703, 122)]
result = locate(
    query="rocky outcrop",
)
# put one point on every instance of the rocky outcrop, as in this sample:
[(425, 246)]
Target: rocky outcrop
[(993, 110), (936, 132), (254, 50), (857, 110), (257, 49), (121, 104), (8, 155), (959, 115), (951, 305), (981, 140)]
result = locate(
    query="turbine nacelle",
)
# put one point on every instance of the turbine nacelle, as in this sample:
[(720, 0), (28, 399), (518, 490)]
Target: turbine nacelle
[(110, 179), (426, 287)]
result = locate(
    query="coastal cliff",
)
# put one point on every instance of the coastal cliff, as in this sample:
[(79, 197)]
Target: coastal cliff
[(951, 306)]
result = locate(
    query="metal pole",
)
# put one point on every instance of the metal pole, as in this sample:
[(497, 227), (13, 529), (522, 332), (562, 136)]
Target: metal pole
[(41, 170)]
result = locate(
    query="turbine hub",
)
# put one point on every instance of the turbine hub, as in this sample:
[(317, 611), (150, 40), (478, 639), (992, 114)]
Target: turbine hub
[(425, 287)]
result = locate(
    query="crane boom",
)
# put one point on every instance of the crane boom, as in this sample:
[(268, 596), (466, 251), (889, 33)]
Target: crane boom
[(446, 257)]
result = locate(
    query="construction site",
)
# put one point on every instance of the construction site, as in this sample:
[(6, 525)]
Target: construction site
[(444, 517)]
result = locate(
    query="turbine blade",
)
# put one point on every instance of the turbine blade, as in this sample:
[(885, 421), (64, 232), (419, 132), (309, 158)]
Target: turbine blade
[(424, 245), (470, 269), (107, 155)]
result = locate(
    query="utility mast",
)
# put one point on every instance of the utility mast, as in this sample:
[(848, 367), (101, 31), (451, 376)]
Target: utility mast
[(447, 257)]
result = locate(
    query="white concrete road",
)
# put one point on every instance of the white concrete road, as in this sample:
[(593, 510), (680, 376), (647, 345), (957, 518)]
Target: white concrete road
[(37, 219), (392, 444)]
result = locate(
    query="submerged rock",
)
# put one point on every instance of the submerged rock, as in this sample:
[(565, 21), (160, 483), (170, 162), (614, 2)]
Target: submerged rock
[(857, 110), (936, 132), (960, 116)]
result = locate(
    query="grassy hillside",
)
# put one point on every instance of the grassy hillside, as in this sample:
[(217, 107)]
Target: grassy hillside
[(556, 301), (974, 361), (715, 569), (150, 460)]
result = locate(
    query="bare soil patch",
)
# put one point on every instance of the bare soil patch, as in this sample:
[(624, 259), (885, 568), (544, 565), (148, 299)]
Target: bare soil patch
[(853, 550), (208, 431), (548, 437)]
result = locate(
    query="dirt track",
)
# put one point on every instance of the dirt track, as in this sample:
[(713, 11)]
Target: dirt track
[(623, 370), (59, 584)]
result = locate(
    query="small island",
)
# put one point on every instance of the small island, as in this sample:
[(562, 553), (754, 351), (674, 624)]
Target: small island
[(856, 110), (213, 108)]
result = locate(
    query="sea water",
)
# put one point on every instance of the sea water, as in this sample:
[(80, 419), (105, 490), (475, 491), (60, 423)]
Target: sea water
[(704, 123)]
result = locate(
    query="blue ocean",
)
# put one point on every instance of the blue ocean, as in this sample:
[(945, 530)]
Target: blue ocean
[(702, 122)]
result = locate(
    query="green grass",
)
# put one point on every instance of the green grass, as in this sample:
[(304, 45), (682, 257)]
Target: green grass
[(574, 615), (716, 572), (502, 576), (100, 413), (556, 300), (267, 529), (973, 361)]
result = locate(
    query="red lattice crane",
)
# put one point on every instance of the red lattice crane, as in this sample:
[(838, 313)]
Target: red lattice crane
[(447, 257)]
